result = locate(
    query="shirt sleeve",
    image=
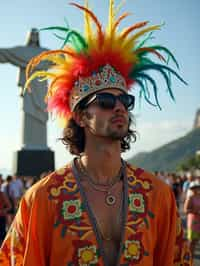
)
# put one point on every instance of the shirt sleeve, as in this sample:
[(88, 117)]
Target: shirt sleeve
[(12, 249), (171, 248), (28, 241)]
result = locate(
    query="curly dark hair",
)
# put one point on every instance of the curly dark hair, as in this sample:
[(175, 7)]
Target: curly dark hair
[(74, 137)]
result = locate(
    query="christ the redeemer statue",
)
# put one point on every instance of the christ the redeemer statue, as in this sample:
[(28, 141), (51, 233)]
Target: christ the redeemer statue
[(35, 157), (34, 116)]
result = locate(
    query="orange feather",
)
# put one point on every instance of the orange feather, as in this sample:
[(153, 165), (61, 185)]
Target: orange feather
[(119, 20), (151, 50), (132, 28), (94, 18)]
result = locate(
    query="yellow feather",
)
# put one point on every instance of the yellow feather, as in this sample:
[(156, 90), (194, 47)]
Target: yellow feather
[(59, 60), (129, 43), (43, 74), (110, 18), (62, 121), (87, 22)]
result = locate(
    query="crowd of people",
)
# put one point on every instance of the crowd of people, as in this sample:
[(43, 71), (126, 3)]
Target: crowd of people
[(186, 189), (12, 188)]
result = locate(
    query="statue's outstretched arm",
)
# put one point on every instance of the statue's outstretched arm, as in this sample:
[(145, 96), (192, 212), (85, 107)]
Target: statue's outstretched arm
[(14, 56), (3, 56)]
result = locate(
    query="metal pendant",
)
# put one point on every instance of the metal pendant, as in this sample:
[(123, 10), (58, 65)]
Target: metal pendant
[(110, 199)]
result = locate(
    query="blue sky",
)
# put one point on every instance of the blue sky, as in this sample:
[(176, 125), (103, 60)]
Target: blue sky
[(180, 34)]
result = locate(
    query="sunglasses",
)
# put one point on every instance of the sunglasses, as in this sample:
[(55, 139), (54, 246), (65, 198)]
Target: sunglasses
[(108, 100)]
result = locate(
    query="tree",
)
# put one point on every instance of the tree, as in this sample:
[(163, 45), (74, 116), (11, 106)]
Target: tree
[(191, 164)]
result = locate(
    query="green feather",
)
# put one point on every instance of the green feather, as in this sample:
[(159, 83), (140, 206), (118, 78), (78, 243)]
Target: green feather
[(140, 97), (143, 61), (159, 66), (153, 83), (143, 91), (167, 51), (164, 74), (149, 37), (59, 37), (80, 42), (78, 36), (56, 28)]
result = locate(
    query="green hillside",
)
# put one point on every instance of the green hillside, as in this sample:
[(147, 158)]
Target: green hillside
[(168, 156)]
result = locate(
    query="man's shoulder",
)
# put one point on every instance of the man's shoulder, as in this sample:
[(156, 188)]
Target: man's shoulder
[(42, 186), (143, 174)]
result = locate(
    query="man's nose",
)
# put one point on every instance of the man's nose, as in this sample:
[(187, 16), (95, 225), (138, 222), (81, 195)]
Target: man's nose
[(119, 107)]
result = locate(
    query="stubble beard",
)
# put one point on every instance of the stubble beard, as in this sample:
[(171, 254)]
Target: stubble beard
[(117, 134)]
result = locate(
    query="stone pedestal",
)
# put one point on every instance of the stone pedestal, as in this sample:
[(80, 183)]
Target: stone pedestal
[(33, 162)]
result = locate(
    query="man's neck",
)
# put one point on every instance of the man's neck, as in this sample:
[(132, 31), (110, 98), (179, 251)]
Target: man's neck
[(102, 162)]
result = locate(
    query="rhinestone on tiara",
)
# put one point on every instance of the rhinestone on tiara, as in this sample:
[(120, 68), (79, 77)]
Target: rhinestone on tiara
[(107, 77)]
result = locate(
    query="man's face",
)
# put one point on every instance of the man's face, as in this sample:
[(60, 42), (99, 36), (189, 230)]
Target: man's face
[(108, 123)]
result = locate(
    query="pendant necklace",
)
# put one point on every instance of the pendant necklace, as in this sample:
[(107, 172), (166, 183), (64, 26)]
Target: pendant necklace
[(118, 221), (110, 199)]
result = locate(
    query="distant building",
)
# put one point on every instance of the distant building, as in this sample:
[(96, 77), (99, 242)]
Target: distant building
[(197, 119)]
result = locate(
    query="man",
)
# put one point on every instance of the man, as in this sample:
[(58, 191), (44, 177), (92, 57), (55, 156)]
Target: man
[(16, 190), (186, 185), (98, 210)]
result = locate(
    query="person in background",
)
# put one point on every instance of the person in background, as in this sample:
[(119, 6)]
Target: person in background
[(29, 181), (98, 209), (176, 187), (161, 175), (16, 190), (192, 209), (4, 208), (186, 191), (6, 188)]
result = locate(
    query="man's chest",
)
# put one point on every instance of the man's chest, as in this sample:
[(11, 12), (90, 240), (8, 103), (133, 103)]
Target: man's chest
[(108, 217)]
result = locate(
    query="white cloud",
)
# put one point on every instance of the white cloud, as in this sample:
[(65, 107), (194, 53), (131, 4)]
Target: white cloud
[(153, 135)]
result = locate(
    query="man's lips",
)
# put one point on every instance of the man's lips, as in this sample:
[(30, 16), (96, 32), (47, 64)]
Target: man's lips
[(119, 119)]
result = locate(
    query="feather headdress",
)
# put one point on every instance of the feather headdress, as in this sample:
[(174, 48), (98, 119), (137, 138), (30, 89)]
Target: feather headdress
[(76, 69)]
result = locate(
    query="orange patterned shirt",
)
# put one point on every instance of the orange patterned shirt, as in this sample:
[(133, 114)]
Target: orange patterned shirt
[(54, 225)]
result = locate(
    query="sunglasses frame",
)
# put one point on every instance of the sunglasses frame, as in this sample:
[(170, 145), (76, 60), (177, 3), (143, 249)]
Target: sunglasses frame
[(97, 98)]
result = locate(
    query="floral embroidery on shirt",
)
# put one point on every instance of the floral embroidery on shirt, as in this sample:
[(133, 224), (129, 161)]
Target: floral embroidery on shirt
[(136, 203), (70, 209), (133, 249), (138, 215), (85, 253)]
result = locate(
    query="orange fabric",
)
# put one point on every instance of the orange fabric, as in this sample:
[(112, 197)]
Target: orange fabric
[(52, 226)]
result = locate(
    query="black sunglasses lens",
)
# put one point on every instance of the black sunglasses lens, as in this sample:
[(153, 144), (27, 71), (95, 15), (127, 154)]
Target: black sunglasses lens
[(106, 100), (127, 100)]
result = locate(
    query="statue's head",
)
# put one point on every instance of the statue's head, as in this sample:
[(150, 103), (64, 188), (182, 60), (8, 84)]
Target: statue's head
[(33, 38)]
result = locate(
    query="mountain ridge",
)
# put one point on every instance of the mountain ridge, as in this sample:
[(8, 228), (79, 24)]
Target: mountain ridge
[(168, 156)]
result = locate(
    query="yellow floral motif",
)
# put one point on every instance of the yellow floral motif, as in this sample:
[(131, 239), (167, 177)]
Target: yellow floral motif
[(132, 249), (146, 185), (61, 171), (87, 256), (55, 192)]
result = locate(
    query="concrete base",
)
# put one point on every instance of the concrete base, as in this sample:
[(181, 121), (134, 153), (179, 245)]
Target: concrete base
[(33, 162)]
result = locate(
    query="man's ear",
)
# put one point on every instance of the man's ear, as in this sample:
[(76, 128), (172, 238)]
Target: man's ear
[(79, 118)]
